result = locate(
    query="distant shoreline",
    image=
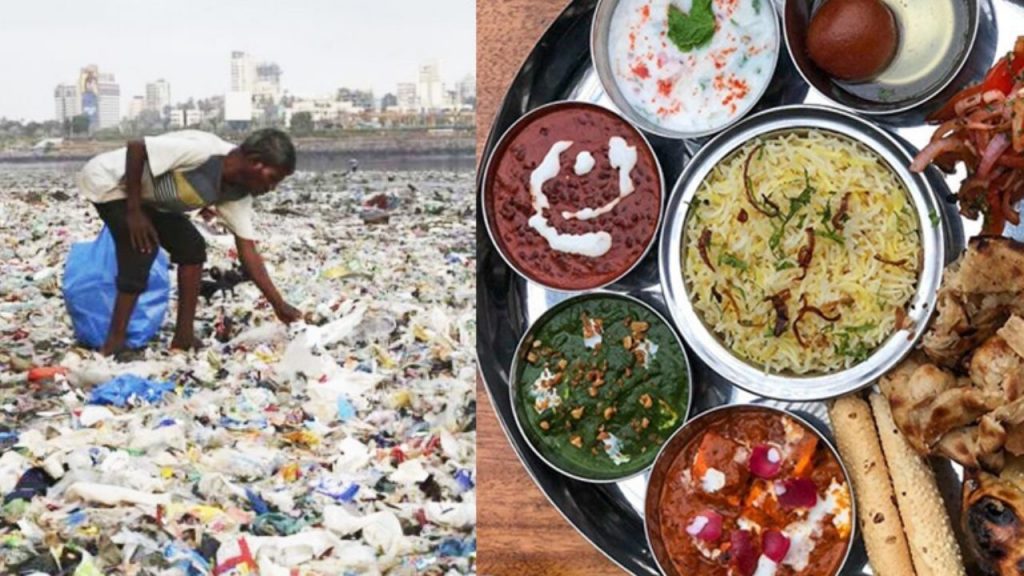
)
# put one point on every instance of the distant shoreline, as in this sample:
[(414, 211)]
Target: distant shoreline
[(414, 144)]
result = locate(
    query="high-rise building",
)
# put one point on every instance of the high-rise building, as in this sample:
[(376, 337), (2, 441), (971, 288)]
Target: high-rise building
[(136, 106), (89, 88), (467, 90), (158, 95), (243, 72), (67, 102), (407, 97), (109, 102), (267, 84), (430, 89), (96, 96)]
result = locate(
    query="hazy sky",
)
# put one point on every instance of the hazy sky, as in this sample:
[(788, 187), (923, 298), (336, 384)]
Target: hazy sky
[(320, 45)]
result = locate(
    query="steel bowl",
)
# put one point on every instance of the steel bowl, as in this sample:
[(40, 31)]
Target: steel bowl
[(710, 347), (599, 35), (678, 442), (515, 370), (796, 19), (501, 148)]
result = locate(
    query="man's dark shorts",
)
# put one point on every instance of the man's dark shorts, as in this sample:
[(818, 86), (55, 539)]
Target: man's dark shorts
[(177, 235)]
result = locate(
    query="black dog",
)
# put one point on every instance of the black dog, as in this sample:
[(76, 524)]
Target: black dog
[(222, 281)]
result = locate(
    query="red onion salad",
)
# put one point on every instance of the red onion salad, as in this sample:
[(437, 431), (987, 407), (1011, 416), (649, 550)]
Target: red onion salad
[(983, 128)]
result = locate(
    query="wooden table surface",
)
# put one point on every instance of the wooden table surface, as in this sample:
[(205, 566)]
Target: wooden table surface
[(519, 532)]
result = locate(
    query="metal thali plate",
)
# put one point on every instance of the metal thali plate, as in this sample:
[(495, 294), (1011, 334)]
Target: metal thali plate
[(610, 515)]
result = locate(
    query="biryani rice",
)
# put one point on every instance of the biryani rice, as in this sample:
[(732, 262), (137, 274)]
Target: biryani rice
[(864, 270)]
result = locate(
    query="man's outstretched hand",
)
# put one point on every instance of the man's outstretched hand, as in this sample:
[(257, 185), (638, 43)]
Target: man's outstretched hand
[(287, 313), (252, 263)]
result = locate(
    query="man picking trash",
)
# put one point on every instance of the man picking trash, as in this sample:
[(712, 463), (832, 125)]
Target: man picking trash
[(143, 193)]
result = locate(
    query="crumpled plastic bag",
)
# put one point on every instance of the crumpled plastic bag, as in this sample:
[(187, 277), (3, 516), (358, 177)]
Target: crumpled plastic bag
[(381, 530), (122, 389), (282, 551), (113, 495)]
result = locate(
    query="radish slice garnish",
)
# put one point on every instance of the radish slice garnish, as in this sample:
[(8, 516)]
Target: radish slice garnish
[(774, 545), (741, 549), (797, 493), (765, 461), (706, 526)]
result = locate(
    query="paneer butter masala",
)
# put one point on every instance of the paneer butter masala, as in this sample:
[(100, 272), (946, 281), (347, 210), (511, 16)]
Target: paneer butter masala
[(756, 493)]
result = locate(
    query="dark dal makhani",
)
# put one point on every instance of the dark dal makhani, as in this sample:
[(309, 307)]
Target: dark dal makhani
[(603, 384), (755, 492), (574, 196)]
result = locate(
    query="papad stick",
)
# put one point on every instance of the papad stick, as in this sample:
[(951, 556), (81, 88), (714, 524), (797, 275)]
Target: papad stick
[(880, 523), (930, 536)]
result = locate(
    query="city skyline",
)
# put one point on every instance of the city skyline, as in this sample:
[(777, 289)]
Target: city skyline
[(322, 63)]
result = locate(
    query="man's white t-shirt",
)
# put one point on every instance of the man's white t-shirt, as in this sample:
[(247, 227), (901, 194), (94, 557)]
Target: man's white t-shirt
[(182, 174)]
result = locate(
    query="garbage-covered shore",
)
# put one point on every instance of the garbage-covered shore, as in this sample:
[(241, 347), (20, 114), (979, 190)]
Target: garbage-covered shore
[(340, 445)]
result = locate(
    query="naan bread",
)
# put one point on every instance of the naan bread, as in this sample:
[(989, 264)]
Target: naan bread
[(979, 292)]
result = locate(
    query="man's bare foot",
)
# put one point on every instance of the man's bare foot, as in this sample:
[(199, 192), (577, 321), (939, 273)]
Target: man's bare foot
[(110, 348), (185, 343)]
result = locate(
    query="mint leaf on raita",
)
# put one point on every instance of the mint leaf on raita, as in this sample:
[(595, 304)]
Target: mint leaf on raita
[(693, 30)]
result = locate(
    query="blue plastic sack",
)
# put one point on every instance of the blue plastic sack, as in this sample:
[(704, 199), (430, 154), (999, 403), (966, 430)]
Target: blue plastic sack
[(90, 276), (122, 389)]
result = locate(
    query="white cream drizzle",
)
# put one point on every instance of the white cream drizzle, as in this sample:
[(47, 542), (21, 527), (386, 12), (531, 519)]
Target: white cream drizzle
[(544, 395), (803, 534), (613, 447), (705, 550), (713, 480), (584, 163), (650, 350), (622, 157), (592, 331), (765, 567), (590, 244), (748, 525)]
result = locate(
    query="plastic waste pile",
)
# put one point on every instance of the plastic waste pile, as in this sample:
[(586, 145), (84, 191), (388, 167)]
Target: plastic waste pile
[(340, 445)]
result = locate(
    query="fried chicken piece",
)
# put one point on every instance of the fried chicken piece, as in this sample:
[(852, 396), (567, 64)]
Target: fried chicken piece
[(897, 378), (948, 338), (961, 446), (982, 445), (972, 448), (997, 369), (911, 396), (1010, 418), (978, 330), (932, 402), (954, 408), (1013, 332)]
